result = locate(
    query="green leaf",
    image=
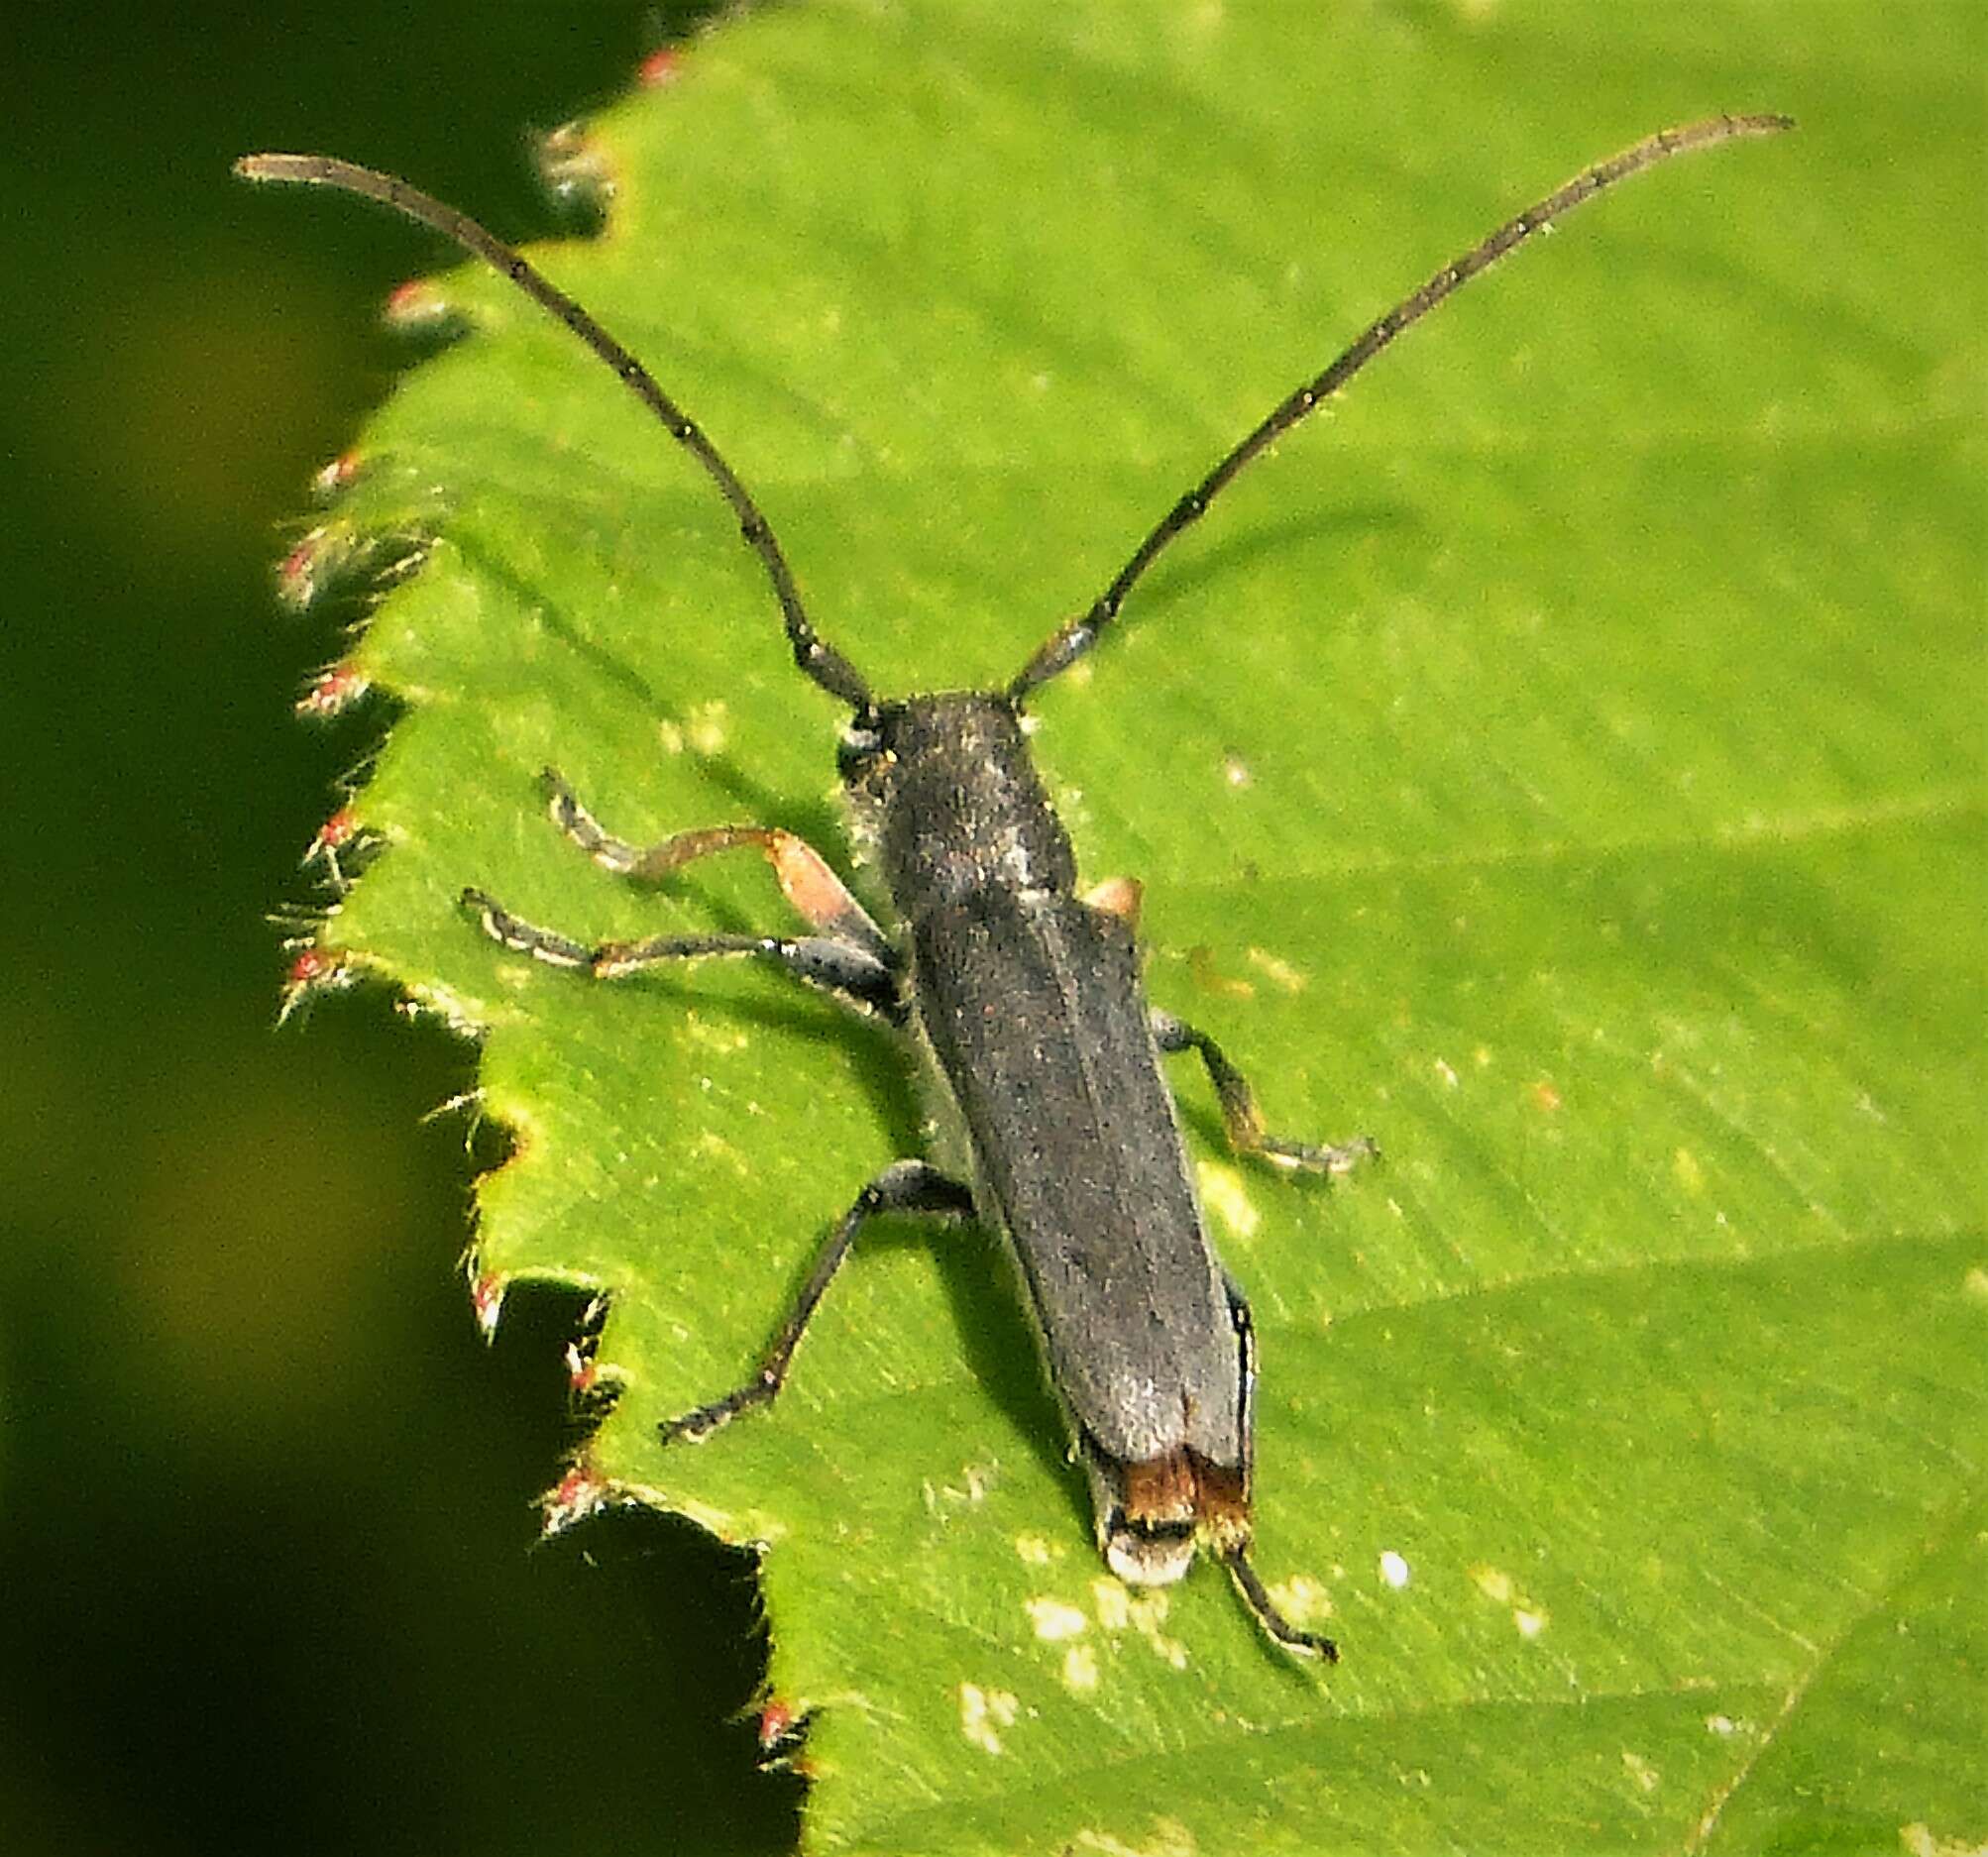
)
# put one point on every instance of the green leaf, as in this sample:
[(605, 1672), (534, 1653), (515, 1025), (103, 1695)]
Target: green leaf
[(1561, 761)]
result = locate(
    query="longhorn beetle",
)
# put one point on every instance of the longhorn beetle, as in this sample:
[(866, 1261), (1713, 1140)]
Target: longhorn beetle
[(1022, 996)]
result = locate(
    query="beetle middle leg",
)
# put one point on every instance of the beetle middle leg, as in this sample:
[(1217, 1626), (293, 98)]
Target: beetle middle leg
[(1241, 1117), (854, 975), (903, 1186)]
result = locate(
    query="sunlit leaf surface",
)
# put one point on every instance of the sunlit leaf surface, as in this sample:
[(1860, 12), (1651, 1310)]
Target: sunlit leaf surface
[(1561, 761)]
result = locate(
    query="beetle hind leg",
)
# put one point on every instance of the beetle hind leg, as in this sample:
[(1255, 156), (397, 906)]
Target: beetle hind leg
[(1255, 1596), (903, 1186)]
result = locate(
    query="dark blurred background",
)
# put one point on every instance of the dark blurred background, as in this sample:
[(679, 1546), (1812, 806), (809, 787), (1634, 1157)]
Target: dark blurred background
[(267, 1567)]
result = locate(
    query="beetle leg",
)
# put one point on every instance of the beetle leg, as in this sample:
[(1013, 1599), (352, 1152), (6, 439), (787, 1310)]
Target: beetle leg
[(854, 974), (1239, 1114), (1250, 1584), (1120, 897), (1245, 1378), (1234, 1554), (903, 1186), (807, 878)]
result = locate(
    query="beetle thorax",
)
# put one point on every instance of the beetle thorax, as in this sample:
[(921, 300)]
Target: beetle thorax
[(944, 790)]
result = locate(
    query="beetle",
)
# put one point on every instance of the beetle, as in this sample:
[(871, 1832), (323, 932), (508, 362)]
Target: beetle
[(1021, 995)]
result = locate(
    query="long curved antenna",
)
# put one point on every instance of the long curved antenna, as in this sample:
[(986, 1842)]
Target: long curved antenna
[(816, 658), (1072, 640)]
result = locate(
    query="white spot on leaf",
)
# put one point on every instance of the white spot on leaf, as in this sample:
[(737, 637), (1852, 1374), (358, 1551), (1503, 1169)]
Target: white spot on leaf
[(983, 1713), (706, 732), (1302, 1600), (1921, 1840), (1054, 1620), (1640, 1770), (1113, 1604), (1148, 1613), (1493, 1583), (1168, 1838), (1280, 972), (1498, 1586), (714, 1034)]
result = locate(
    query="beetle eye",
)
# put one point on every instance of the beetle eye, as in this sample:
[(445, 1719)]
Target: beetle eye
[(861, 742), (855, 750)]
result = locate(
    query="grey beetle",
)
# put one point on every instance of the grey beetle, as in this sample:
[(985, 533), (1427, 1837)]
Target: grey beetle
[(1022, 995)]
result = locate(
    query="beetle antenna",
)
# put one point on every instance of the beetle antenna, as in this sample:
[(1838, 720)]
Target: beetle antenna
[(1072, 640), (818, 659)]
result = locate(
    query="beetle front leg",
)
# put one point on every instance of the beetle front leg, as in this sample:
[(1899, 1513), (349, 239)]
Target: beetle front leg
[(1241, 1117), (806, 877)]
